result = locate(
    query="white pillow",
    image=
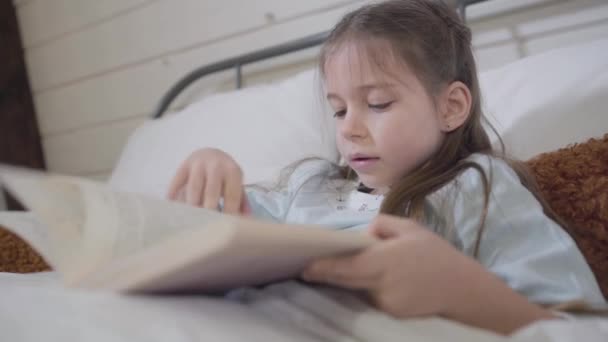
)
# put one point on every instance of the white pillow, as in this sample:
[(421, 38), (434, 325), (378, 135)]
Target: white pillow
[(264, 128), (547, 101), (537, 104)]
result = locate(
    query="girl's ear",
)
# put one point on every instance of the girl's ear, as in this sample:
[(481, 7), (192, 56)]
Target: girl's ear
[(456, 106)]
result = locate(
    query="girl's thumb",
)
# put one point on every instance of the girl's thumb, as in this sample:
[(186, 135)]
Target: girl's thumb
[(245, 207), (387, 227)]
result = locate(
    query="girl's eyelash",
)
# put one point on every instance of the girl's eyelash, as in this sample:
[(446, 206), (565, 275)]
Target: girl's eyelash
[(339, 113), (380, 105)]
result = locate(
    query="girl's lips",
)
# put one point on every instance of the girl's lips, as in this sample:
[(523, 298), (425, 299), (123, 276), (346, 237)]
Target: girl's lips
[(363, 164)]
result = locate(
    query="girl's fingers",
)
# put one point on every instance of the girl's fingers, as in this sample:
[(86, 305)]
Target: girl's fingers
[(204, 178), (344, 271), (194, 189), (233, 192), (181, 195), (386, 226), (179, 180), (245, 208), (213, 190)]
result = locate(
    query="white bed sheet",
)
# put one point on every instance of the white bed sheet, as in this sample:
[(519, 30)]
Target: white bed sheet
[(36, 307)]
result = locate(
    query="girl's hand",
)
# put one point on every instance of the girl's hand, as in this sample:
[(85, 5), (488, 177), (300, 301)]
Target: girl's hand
[(413, 272), (205, 177)]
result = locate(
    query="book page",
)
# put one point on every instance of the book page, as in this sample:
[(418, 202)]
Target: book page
[(241, 252), (120, 224), (89, 224), (127, 242)]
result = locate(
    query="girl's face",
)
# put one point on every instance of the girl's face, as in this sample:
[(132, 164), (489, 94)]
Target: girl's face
[(386, 122)]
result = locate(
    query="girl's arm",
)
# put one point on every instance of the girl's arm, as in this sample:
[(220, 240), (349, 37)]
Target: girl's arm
[(483, 300)]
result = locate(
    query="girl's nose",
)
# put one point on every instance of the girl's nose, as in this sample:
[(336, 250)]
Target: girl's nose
[(353, 126)]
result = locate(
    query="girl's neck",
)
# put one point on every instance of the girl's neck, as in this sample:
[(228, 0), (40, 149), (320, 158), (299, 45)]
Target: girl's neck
[(379, 191)]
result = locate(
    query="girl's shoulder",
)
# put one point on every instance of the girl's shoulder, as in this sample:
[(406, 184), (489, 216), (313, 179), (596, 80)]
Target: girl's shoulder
[(496, 171), (469, 184), (460, 207)]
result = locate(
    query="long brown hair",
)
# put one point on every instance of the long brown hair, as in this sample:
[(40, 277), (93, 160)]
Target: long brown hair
[(432, 40)]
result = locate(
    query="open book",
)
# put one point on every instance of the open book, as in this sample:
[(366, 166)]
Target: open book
[(99, 238)]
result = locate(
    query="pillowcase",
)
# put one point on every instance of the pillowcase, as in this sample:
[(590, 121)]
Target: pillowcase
[(547, 101), (264, 128)]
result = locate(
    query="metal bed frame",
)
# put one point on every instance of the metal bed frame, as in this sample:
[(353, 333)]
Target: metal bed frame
[(238, 62)]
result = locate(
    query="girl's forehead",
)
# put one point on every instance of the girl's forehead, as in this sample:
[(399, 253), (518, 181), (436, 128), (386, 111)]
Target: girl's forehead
[(359, 63)]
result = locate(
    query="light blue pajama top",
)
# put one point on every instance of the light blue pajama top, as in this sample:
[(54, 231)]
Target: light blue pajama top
[(520, 244)]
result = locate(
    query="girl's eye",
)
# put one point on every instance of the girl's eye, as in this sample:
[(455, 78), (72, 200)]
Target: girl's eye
[(339, 113), (380, 106)]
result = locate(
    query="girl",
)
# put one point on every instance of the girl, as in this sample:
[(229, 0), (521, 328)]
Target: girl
[(464, 234)]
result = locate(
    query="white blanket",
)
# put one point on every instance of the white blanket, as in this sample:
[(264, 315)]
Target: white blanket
[(36, 307)]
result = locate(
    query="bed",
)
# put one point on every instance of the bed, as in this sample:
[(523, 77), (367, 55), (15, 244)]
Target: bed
[(290, 124)]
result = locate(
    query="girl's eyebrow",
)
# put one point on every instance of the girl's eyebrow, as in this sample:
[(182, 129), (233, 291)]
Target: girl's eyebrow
[(379, 85), (366, 87)]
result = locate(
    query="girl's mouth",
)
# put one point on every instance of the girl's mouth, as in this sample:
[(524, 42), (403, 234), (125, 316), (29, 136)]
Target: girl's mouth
[(363, 164)]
